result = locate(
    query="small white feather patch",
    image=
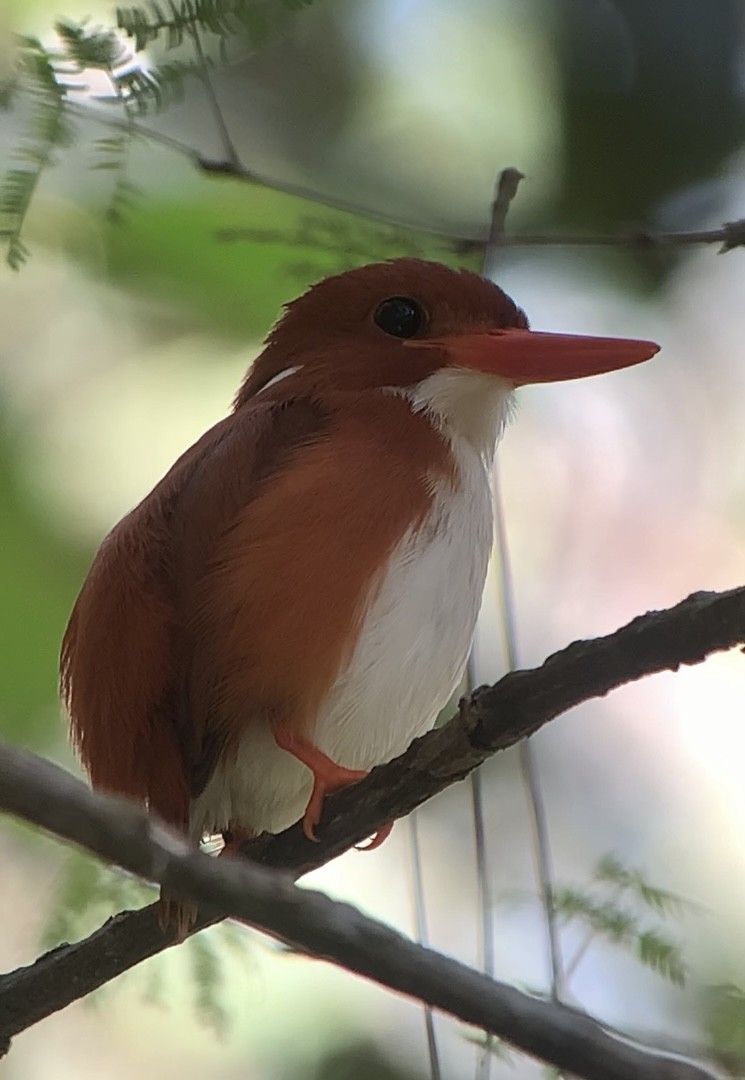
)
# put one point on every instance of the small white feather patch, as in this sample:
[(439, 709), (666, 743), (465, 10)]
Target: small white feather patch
[(278, 378)]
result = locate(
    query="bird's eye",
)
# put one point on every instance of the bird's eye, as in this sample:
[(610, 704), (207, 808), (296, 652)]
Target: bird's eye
[(400, 316)]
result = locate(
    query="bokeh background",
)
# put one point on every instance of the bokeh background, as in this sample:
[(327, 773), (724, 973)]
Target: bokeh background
[(121, 342)]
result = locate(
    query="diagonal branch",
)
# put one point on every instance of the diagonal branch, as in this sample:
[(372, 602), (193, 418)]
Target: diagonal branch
[(38, 790), (490, 719)]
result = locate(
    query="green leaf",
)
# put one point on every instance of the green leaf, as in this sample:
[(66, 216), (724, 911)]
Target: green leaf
[(175, 251), (81, 877), (48, 129), (604, 917), (94, 48), (661, 955), (8, 90), (611, 871), (208, 979), (724, 1017)]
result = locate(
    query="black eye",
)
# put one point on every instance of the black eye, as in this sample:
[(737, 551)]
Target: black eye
[(400, 316)]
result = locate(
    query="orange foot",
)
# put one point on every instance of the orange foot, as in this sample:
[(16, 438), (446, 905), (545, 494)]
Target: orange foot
[(327, 777)]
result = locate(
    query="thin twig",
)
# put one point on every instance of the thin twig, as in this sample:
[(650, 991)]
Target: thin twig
[(588, 939), (506, 189), (487, 956), (544, 866), (422, 937), (730, 235), (528, 764), (229, 150)]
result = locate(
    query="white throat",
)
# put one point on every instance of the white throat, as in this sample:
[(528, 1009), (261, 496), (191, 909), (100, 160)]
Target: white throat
[(467, 404)]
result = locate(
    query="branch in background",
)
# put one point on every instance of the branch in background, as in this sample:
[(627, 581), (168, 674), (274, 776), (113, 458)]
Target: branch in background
[(231, 154), (730, 235), (490, 719), (43, 72), (38, 791), (507, 184)]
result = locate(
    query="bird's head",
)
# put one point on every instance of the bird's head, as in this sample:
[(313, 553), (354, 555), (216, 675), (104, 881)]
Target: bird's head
[(450, 339)]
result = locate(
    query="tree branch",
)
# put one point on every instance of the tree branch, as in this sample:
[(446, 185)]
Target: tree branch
[(490, 719), (729, 235), (38, 791)]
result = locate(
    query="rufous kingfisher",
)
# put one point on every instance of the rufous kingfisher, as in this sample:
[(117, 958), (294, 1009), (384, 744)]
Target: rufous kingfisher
[(295, 600)]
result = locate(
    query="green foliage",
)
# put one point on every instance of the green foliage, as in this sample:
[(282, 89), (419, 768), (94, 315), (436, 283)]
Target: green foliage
[(41, 78), (612, 908), (342, 242), (171, 22), (90, 48), (498, 1048), (169, 249), (207, 971), (662, 955), (363, 1060), (48, 129), (90, 892), (610, 870), (605, 918), (39, 573), (724, 1018)]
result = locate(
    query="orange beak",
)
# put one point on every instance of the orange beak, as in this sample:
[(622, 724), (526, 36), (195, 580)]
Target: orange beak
[(531, 356)]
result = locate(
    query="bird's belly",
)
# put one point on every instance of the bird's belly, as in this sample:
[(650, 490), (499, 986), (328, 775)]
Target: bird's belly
[(409, 657)]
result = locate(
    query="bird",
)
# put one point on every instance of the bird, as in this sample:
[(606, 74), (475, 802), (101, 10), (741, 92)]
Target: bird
[(295, 601)]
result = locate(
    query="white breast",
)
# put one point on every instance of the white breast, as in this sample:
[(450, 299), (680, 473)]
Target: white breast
[(409, 658)]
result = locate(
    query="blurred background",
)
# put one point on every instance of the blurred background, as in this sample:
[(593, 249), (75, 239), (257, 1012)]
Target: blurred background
[(147, 292)]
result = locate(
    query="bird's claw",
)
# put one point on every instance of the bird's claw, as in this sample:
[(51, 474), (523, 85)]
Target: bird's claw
[(377, 839), (327, 779)]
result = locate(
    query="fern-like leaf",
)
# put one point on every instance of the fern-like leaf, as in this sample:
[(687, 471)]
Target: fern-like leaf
[(48, 129), (662, 955), (724, 1017), (611, 871), (604, 917), (90, 48), (171, 22), (208, 978)]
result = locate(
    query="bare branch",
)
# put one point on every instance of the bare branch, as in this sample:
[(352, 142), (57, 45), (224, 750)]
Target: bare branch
[(231, 154), (490, 719), (38, 791), (730, 235), (506, 190)]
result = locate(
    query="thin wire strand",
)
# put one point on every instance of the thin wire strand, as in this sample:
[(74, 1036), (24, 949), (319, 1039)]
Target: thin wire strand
[(528, 764), (487, 957), (422, 936), (506, 189)]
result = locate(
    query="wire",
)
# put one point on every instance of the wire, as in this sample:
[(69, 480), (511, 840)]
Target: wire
[(422, 936)]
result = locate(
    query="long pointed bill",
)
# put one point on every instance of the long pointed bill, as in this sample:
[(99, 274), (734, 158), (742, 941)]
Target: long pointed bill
[(531, 356)]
